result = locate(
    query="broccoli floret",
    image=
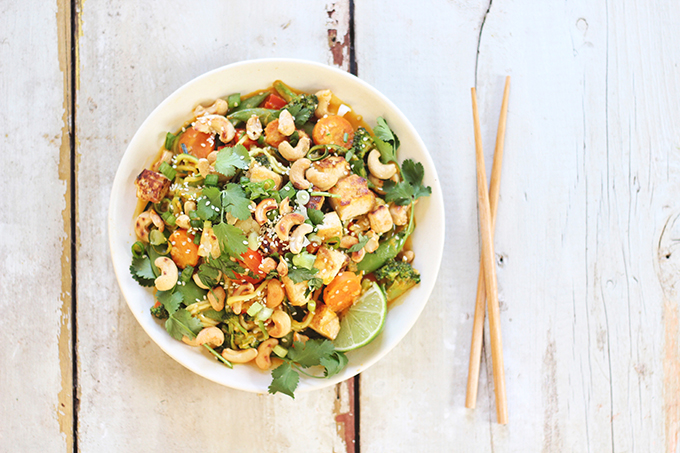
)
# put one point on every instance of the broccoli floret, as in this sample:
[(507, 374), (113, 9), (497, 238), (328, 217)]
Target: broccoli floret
[(362, 143), (301, 106), (263, 160), (397, 277), (159, 312)]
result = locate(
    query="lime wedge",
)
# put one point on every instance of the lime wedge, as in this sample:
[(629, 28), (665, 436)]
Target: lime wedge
[(363, 321)]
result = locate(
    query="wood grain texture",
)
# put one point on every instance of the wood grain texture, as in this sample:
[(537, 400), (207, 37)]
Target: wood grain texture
[(35, 228), (132, 395), (590, 179)]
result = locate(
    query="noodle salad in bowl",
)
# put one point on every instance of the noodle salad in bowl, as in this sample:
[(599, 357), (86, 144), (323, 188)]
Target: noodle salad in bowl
[(273, 230)]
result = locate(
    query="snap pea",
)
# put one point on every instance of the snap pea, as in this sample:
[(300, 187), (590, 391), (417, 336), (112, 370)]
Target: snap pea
[(284, 91), (251, 102), (265, 115), (387, 250)]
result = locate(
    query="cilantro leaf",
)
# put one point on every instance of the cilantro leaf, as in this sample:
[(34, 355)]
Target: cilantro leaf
[(142, 272), (208, 274), (309, 353), (170, 300), (229, 159), (312, 285), (363, 240), (400, 193), (334, 363), (191, 292), (213, 195), (386, 141), (181, 323), (232, 240), (300, 274), (315, 215), (284, 380), (214, 314), (205, 209), (235, 201)]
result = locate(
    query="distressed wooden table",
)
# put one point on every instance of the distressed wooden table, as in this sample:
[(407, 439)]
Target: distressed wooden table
[(586, 241)]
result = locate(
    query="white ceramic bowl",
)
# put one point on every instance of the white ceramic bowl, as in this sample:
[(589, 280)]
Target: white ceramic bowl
[(245, 77)]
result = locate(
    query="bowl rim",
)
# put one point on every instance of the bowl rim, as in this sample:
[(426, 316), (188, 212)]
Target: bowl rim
[(435, 203)]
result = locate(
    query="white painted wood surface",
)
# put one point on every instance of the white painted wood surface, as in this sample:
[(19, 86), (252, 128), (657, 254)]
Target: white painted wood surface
[(587, 230)]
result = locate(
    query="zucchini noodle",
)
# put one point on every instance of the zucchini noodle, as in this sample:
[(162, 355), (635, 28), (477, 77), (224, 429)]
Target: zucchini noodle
[(277, 166)]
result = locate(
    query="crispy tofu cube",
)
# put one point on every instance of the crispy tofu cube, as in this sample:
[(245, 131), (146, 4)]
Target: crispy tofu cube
[(151, 186), (380, 219), (329, 262), (355, 197), (295, 291), (258, 173), (325, 322), (331, 227)]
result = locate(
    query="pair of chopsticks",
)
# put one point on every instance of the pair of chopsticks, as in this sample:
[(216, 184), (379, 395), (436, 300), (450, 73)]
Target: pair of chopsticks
[(487, 286)]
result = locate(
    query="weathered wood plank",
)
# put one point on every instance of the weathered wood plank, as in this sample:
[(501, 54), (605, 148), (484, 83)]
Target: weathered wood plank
[(590, 180), (35, 228), (424, 60), (131, 58)]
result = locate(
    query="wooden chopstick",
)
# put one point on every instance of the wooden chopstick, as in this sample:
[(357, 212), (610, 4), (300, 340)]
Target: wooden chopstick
[(489, 262), (480, 304)]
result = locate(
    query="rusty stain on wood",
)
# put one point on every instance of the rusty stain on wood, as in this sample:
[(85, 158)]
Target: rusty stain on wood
[(338, 33), (65, 397), (344, 414)]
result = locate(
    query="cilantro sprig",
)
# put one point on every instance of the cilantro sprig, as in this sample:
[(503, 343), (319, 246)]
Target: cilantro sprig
[(286, 377), (411, 188), (229, 159), (386, 141)]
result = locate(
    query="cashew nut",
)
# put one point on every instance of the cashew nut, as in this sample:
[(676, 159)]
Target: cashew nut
[(297, 238), (287, 222), (286, 123), (215, 124), (297, 173), (189, 206), (216, 297), (168, 277), (324, 97), (322, 180), (183, 221), (209, 245), (378, 169), (203, 166), (157, 220), (282, 268), (267, 265), (212, 336), (284, 206), (254, 127), (219, 107), (372, 244), (212, 157), (281, 324), (241, 356), (358, 256), (407, 256), (290, 154), (263, 207), (142, 225), (264, 351), (275, 293), (348, 241)]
